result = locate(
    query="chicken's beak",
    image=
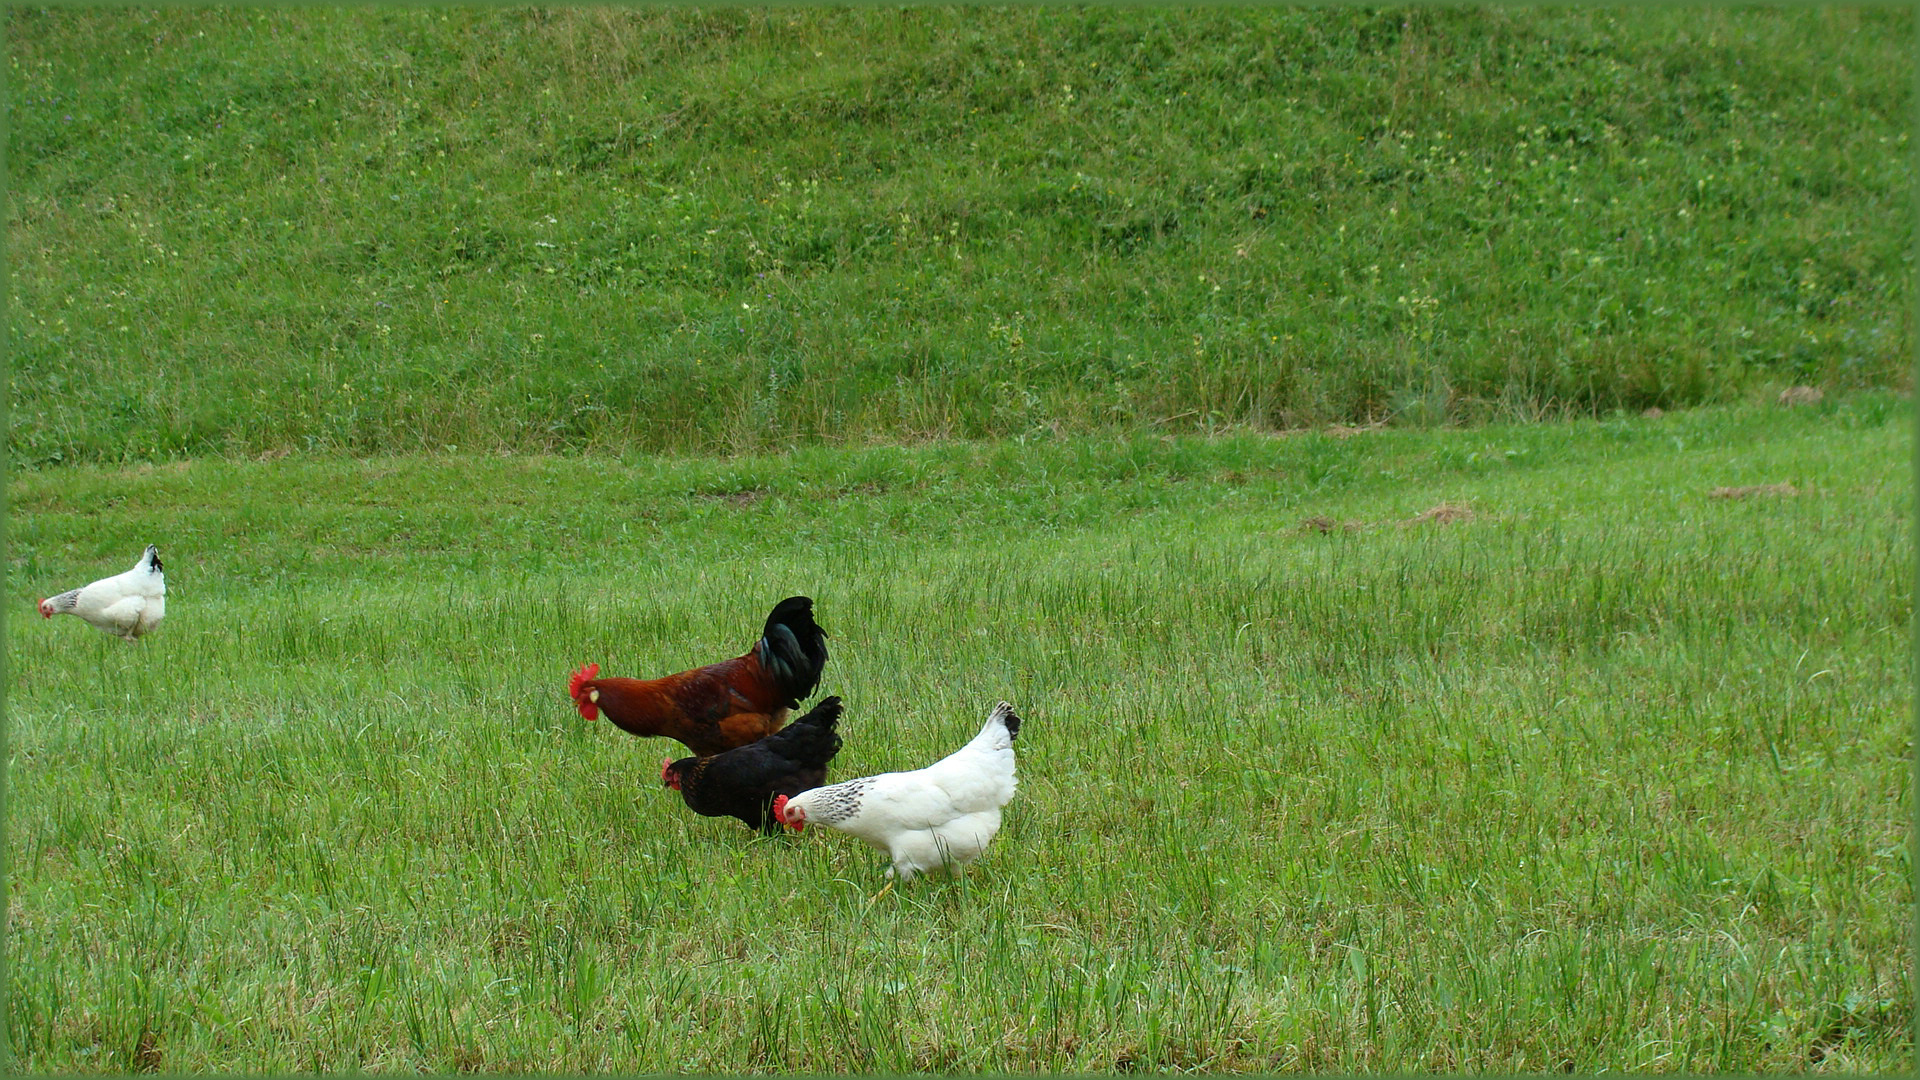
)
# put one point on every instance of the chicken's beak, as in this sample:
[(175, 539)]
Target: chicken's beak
[(46, 610)]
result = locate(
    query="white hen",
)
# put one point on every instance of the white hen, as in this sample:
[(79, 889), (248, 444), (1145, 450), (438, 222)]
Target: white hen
[(939, 817), (124, 605)]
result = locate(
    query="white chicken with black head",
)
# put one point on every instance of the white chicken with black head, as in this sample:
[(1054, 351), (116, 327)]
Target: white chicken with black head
[(937, 818), (124, 605)]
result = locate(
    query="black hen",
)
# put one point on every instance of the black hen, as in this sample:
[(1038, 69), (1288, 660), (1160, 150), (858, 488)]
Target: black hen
[(743, 782)]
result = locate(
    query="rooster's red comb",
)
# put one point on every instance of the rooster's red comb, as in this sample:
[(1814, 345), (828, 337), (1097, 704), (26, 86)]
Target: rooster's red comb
[(579, 677)]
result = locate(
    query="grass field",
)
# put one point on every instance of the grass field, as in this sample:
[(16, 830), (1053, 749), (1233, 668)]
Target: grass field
[(1607, 773), (444, 350), (250, 230)]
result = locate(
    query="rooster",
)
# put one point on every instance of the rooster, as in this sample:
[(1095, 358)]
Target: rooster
[(124, 605), (723, 705), (940, 817), (742, 782)]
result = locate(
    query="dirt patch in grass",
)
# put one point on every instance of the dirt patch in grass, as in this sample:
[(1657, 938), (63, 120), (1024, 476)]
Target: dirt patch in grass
[(1771, 490), (146, 1055), (1322, 524), (1443, 514), (1342, 431), (742, 497)]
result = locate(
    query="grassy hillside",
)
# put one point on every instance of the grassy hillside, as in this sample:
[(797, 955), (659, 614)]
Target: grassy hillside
[(1601, 773), (392, 230)]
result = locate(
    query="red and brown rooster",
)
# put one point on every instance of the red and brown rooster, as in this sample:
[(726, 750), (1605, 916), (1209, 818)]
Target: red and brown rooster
[(723, 705)]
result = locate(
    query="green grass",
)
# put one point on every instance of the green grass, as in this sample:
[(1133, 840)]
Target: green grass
[(1612, 775), (387, 231), (1013, 337)]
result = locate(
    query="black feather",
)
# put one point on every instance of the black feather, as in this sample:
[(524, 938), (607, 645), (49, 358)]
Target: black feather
[(153, 554), (794, 649), (1013, 725), (742, 782)]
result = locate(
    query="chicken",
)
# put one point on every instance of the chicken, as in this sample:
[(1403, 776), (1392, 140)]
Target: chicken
[(124, 605), (940, 817), (723, 705), (742, 782)]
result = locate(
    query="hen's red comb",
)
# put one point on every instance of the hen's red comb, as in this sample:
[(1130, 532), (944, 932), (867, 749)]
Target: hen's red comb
[(780, 811), (580, 677)]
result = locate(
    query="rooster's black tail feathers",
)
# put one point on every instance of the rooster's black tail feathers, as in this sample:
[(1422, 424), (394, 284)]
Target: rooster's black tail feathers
[(794, 648)]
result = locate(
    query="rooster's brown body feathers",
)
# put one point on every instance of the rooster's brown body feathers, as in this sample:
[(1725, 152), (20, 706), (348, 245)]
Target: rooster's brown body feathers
[(724, 705)]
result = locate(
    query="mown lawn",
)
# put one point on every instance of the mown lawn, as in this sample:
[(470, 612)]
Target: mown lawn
[(1594, 770)]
